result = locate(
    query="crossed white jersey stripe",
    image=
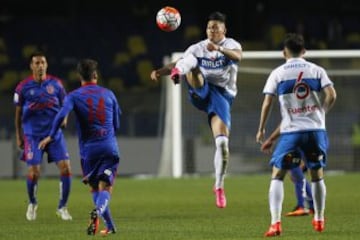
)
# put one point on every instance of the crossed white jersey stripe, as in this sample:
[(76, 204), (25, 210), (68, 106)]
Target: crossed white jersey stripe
[(298, 84)]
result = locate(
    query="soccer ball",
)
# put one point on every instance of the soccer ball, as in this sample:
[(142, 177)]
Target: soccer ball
[(168, 19)]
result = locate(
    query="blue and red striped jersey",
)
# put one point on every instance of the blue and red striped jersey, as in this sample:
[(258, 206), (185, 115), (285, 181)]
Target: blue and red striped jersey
[(40, 102), (97, 116)]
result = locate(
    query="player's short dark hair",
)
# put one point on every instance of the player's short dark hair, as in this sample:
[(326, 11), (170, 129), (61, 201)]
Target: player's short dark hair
[(86, 68), (217, 16), (294, 43), (36, 54)]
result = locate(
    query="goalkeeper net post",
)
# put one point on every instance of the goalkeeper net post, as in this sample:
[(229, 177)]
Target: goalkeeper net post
[(171, 162)]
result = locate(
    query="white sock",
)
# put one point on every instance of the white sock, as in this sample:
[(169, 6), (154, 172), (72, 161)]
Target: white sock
[(186, 64), (221, 160), (276, 198), (318, 190)]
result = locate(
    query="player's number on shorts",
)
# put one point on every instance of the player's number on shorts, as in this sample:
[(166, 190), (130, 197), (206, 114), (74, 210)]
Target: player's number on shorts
[(97, 111)]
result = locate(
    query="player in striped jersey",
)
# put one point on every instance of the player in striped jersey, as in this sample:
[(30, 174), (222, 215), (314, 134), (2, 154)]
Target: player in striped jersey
[(209, 68), (298, 84), (98, 117), (38, 98)]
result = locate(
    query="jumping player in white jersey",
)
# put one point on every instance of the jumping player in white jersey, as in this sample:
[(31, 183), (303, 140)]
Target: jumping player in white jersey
[(298, 85), (209, 68)]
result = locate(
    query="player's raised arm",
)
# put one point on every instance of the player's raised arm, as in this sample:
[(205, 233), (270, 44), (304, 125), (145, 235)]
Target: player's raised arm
[(233, 54), (163, 71)]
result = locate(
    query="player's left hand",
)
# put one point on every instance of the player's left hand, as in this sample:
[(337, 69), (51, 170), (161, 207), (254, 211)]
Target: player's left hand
[(44, 142)]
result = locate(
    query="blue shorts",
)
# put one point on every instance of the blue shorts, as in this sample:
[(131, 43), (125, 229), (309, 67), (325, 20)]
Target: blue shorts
[(213, 100), (312, 146), (56, 150), (101, 169)]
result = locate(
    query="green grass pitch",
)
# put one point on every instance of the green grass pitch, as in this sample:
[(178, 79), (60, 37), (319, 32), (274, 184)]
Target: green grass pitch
[(182, 209)]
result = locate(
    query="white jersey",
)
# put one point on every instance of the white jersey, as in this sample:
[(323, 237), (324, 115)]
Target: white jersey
[(215, 67), (298, 83)]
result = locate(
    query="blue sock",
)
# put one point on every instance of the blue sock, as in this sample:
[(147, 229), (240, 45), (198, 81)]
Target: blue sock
[(31, 185), (65, 185), (297, 176), (106, 214), (102, 201), (108, 219)]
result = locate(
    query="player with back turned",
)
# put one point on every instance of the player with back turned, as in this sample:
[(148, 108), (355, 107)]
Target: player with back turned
[(97, 119), (306, 94)]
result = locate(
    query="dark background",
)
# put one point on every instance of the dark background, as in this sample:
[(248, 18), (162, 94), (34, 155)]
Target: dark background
[(123, 37), (80, 28)]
